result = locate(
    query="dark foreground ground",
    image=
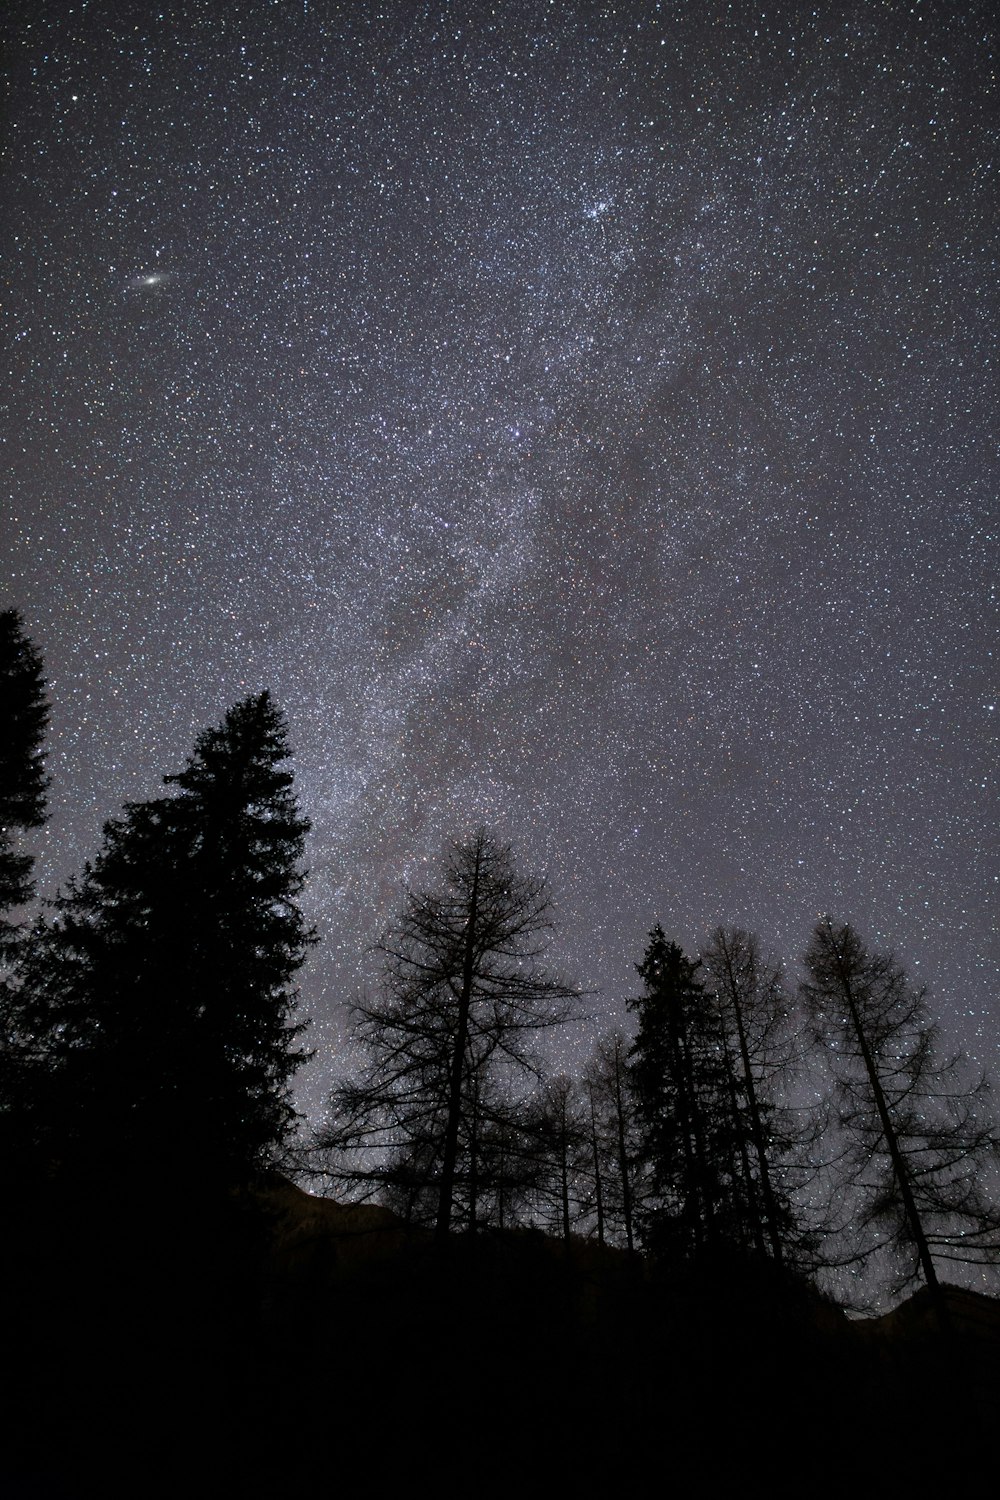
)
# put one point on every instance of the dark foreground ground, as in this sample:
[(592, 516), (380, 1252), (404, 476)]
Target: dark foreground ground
[(275, 1345)]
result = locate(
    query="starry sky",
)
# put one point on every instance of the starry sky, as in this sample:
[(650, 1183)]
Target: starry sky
[(580, 416)]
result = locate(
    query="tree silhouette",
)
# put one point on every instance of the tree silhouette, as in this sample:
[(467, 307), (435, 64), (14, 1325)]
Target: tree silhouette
[(612, 1134), (921, 1142), (449, 1038), (759, 1043), (160, 995), (682, 1085), (564, 1152), (23, 718)]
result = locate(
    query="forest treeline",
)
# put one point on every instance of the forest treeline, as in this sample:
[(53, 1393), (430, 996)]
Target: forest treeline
[(150, 1034)]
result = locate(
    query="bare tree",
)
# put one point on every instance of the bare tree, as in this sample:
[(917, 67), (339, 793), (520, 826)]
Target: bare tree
[(921, 1142), (613, 1139), (759, 1040), (449, 1038), (561, 1132)]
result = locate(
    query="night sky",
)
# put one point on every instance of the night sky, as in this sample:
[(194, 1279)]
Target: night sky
[(582, 419)]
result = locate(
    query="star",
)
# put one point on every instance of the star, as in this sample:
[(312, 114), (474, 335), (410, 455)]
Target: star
[(708, 486)]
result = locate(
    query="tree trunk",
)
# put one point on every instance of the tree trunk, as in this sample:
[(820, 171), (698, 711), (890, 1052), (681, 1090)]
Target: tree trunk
[(896, 1156), (756, 1127), (623, 1162), (753, 1208), (598, 1190), (447, 1192)]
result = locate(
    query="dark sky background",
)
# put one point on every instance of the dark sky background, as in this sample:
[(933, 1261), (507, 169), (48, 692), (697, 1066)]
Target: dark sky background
[(581, 417)]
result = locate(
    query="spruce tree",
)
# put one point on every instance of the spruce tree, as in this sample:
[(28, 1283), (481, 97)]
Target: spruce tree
[(242, 838), (23, 718), (693, 1193), (160, 996)]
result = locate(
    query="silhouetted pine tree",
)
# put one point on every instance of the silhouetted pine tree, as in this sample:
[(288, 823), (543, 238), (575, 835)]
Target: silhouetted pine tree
[(23, 719), (160, 996), (24, 715), (692, 1194)]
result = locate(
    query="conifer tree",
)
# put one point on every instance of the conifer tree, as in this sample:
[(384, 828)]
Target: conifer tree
[(448, 1042), (160, 995), (760, 1043), (693, 1194), (563, 1152), (923, 1144), (23, 718), (614, 1146)]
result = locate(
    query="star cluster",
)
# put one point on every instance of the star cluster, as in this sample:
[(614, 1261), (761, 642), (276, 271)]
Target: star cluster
[(581, 417)]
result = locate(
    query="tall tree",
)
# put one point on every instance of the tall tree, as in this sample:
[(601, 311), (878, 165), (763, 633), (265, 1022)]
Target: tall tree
[(23, 719), (564, 1152), (922, 1143), (613, 1138), (681, 1084), (160, 995), (448, 1040), (759, 1040)]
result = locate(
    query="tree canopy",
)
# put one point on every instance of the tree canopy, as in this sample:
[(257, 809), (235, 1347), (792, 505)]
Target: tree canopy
[(448, 1041), (679, 1083), (24, 716), (149, 1029), (921, 1139), (160, 996)]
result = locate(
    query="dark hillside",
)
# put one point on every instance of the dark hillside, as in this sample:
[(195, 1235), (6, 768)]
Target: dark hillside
[(276, 1340)]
